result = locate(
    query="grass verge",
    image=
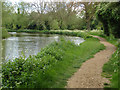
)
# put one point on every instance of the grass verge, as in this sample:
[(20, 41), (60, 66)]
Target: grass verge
[(111, 70), (51, 67)]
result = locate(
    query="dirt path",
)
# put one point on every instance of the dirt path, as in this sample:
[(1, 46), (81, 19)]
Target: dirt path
[(89, 75)]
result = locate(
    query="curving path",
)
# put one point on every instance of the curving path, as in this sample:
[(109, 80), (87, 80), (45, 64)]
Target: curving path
[(89, 75)]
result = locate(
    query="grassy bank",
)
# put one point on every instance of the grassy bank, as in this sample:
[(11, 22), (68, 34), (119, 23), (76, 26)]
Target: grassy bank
[(111, 70), (60, 32), (51, 67)]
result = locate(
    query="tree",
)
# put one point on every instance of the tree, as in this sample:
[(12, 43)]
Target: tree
[(87, 9), (109, 15), (54, 25), (7, 14)]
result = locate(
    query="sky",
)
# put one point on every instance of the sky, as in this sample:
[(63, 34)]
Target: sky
[(13, 1)]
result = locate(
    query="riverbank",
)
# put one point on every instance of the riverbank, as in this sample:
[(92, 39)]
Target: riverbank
[(79, 33), (114, 59), (52, 67)]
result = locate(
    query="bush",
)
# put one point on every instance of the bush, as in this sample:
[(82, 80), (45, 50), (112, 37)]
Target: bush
[(22, 72)]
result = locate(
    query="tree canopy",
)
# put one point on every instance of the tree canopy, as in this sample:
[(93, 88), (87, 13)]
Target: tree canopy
[(109, 15)]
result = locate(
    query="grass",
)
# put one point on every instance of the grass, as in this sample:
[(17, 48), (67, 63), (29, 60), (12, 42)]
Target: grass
[(111, 70), (50, 68)]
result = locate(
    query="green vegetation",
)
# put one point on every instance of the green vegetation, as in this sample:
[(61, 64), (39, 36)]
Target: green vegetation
[(109, 15), (63, 32), (47, 16), (5, 34), (51, 67), (100, 33), (56, 63), (111, 69)]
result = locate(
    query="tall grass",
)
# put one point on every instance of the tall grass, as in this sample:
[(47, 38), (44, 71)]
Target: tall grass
[(51, 67)]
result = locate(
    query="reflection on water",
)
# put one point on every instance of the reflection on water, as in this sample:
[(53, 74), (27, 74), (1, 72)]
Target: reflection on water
[(29, 44)]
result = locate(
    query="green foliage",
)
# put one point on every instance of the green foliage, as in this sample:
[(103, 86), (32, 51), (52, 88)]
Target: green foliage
[(96, 32), (109, 15), (79, 34), (63, 26), (113, 64), (19, 17), (111, 68), (54, 25), (5, 33), (51, 67)]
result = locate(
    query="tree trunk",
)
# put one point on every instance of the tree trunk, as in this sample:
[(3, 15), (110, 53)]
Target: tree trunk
[(88, 26), (106, 28)]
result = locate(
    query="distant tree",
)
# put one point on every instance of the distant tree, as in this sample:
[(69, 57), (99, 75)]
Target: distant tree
[(7, 14), (63, 26), (54, 25), (87, 9)]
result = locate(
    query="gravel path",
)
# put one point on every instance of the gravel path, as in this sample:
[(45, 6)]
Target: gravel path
[(89, 75)]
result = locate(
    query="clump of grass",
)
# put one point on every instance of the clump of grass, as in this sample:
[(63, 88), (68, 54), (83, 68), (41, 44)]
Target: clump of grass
[(51, 67)]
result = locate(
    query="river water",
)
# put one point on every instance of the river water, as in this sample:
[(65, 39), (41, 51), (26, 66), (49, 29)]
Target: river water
[(30, 44)]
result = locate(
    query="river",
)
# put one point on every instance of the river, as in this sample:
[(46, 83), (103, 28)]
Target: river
[(30, 44)]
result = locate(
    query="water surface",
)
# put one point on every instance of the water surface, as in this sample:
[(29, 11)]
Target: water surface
[(30, 44)]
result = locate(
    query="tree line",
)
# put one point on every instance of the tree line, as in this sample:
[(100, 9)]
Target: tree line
[(62, 15), (49, 15)]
